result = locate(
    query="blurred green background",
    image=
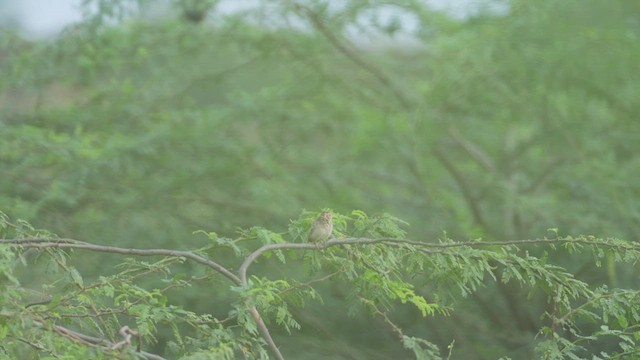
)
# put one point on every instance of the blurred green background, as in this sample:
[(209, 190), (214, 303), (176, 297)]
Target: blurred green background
[(520, 116)]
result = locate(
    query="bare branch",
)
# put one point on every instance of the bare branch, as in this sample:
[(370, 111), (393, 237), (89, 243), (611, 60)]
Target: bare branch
[(75, 244), (265, 332)]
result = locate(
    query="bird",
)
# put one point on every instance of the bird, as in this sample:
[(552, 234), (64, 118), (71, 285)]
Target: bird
[(321, 229)]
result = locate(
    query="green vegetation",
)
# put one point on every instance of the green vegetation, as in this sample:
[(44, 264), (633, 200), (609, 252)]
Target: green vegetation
[(481, 176)]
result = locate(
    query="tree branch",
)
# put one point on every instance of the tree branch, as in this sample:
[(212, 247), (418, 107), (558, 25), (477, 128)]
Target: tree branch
[(265, 332), (424, 246), (92, 340), (75, 244), (241, 278), (474, 151), (335, 41), (468, 195)]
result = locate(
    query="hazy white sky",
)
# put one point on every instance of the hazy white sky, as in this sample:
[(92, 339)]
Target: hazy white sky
[(44, 18)]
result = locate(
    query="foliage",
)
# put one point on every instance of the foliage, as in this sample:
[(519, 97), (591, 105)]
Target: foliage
[(380, 271), (134, 131)]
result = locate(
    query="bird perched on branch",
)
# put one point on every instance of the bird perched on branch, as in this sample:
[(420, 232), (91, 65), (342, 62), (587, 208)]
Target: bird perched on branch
[(322, 228)]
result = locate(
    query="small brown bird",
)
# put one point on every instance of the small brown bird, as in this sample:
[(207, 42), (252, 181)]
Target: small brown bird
[(322, 228)]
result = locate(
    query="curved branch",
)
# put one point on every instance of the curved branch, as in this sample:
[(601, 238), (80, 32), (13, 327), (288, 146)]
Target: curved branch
[(75, 244), (424, 246), (242, 272)]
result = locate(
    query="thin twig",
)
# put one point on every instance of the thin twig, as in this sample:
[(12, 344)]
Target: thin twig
[(308, 283), (396, 329)]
